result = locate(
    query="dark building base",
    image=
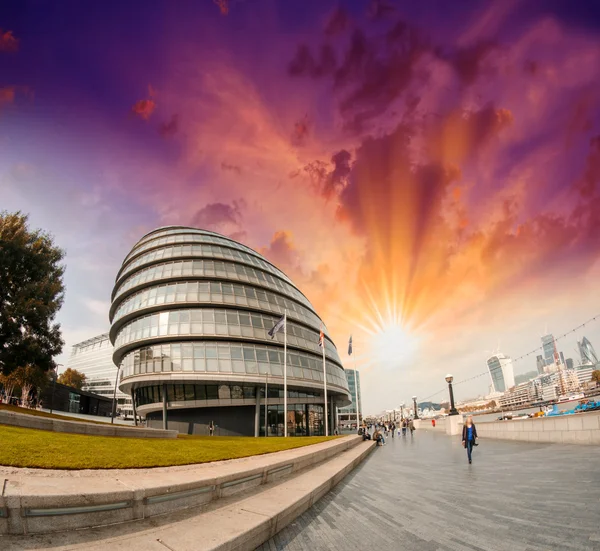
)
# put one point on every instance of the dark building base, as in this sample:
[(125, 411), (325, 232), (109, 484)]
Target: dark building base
[(228, 421)]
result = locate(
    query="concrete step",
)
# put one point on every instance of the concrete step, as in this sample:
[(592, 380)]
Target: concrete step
[(238, 523), (36, 501)]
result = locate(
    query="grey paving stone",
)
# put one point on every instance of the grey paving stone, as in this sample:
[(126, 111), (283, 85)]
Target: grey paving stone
[(421, 494)]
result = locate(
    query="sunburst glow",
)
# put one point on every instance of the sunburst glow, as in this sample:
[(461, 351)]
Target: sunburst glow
[(393, 345), (392, 342)]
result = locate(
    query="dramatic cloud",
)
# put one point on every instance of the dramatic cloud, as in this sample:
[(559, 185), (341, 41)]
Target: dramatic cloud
[(8, 42), (220, 217), (338, 22), (7, 95), (169, 129), (231, 168), (589, 184), (223, 6), (329, 182), (301, 131), (380, 9), (305, 64), (145, 107), (444, 180)]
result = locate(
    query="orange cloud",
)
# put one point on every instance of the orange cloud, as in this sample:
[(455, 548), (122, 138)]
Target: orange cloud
[(223, 6), (8, 42), (144, 108), (7, 95)]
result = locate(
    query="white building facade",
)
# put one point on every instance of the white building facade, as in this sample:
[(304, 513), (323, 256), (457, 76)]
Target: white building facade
[(93, 358)]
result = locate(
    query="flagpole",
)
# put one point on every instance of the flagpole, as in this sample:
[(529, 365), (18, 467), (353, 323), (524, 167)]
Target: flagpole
[(325, 387), (266, 408), (285, 431), (356, 393)]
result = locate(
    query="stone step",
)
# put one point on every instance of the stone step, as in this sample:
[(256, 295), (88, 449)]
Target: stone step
[(227, 525)]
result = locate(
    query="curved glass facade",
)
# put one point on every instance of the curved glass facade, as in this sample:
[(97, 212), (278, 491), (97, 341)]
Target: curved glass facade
[(194, 308)]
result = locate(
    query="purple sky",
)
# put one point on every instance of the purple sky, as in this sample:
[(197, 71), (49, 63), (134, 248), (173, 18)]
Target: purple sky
[(428, 173)]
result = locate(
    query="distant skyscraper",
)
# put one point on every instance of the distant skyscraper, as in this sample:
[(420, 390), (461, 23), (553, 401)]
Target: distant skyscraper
[(540, 363), (501, 372), (569, 363), (548, 346), (587, 352)]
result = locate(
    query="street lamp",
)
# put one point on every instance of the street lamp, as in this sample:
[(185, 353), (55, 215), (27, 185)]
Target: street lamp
[(402, 411), (54, 376), (453, 410), (416, 415), (114, 404)]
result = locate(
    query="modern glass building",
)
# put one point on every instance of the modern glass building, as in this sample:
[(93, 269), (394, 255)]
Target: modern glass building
[(190, 314), (501, 372), (587, 352), (94, 358), (548, 348), (347, 415)]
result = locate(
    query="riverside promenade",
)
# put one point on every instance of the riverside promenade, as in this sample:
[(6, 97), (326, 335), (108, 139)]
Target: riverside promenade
[(421, 494)]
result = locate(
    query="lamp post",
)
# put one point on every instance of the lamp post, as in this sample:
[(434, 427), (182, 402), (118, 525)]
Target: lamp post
[(114, 404), (416, 415), (54, 376), (453, 410), (402, 411)]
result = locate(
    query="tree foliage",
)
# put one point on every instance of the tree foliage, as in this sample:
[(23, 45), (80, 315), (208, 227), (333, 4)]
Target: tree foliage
[(72, 378), (596, 375), (31, 293)]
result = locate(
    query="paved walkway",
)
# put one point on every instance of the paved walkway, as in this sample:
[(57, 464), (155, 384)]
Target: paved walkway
[(422, 495)]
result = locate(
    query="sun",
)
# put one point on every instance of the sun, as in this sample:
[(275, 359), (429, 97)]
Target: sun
[(393, 344)]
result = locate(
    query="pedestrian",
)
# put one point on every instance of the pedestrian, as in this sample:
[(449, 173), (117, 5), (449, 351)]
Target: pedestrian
[(411, 427), (404, 427), (469, 437), (211, 428), (433, 423), (393, 430)]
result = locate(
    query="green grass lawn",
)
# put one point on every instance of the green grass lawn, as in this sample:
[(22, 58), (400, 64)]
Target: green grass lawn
[(20, 447), (27, 411)]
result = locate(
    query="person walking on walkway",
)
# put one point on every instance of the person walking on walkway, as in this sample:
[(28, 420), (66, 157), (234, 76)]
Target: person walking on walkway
[(469, 437), (411, 427)]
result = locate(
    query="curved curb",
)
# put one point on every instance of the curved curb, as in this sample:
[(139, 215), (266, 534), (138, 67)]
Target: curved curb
[(26, 421), (37, 505)]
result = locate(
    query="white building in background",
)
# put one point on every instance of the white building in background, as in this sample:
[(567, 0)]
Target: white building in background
[(517, 396), (93, 358), (501, 372), (584, 373)]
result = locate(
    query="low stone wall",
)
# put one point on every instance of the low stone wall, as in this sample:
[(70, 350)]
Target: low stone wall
[(582, 428), (76, 427), (425, 424), (451, 425), (35, 501)]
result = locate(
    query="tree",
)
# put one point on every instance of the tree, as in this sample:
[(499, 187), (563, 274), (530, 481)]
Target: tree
[(72, 377), (596, 375), (31, 293), (8, 382), (28, 378)]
